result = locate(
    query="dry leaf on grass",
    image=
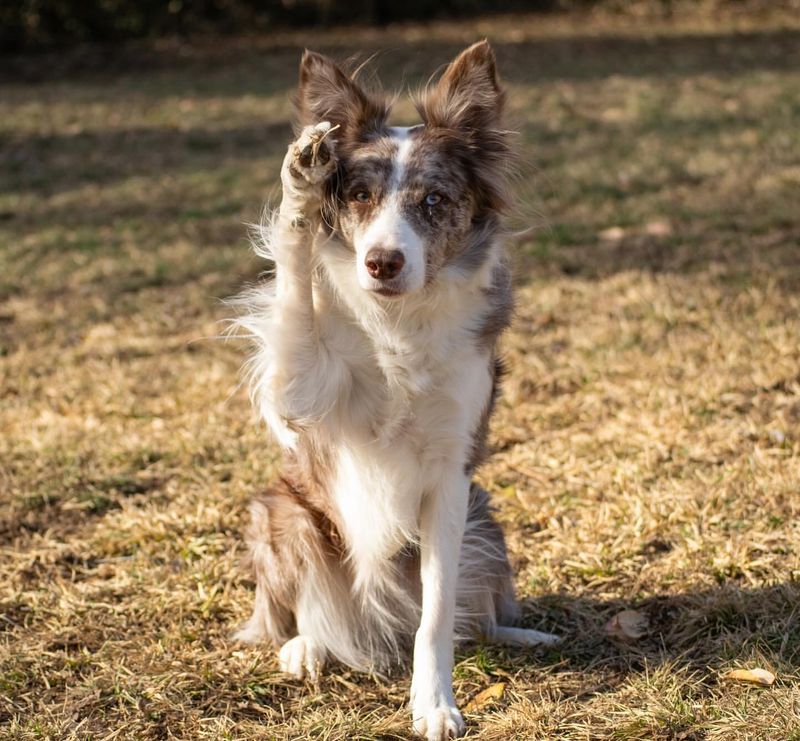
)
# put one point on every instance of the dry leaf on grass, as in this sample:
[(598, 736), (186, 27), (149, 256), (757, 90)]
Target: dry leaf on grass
[(484, 697), (628, 625), (612, 234), (658, 228), (757, 676)]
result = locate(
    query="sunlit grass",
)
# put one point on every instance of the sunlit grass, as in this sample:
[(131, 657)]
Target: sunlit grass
[(647, 453)]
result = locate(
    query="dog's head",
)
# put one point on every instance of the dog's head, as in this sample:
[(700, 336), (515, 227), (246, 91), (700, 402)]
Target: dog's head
[(410, 202)]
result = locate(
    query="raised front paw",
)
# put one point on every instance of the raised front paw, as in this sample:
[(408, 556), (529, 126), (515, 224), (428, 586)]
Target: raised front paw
[(307, 165)]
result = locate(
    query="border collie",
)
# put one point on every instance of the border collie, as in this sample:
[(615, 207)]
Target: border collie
[(376, 367)]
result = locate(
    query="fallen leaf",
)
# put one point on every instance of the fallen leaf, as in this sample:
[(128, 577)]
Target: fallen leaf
[(612, 234), (484, 697), (758, 676), (658, 228), (627, 625)]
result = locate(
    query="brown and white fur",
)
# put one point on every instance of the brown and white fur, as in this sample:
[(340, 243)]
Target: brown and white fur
[(376, 368)]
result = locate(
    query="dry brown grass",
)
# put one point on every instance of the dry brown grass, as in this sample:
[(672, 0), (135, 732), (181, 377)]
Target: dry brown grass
[(647, 448)]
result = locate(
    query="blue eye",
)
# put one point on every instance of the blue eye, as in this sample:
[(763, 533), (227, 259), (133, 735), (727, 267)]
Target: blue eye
[(362, 196), (432, 199)]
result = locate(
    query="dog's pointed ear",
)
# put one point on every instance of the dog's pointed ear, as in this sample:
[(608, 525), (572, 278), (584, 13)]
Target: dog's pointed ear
[(326, 93), (468, 96)]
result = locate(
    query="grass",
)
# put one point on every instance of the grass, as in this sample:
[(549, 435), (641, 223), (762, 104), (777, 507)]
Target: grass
[(647, 449)]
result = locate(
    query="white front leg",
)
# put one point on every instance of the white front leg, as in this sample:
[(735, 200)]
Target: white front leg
[(306, 377), (442, 521)]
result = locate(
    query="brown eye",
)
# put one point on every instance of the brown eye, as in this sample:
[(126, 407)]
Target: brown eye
[(362, 196), (432, 199)]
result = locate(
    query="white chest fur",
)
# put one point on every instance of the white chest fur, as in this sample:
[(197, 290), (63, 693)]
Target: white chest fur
[(379, 483)]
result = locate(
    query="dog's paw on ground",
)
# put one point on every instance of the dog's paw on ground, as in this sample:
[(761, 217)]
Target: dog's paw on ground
[(438, 723), (302, 656)]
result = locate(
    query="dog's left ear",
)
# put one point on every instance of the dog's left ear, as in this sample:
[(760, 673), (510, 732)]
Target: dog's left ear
[(326, 93), (468, 96)]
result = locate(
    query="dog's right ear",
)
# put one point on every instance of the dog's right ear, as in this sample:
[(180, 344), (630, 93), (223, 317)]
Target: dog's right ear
[(326, 93)]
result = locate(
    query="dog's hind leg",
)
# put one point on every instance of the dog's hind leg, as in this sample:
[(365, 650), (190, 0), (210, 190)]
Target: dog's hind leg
[(272, 517), (290, 559), (486, 603), (303, 601)]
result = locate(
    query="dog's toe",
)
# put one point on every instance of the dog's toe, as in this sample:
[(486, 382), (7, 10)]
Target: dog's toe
[(440, 723)]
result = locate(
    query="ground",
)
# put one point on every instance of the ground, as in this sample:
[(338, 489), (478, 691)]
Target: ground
[(647, 453)]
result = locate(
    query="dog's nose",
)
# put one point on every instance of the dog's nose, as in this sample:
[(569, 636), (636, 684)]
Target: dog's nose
[(384, 264)]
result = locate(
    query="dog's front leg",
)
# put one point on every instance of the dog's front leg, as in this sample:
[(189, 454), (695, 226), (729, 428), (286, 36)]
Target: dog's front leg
[(442, 521), (306, 377)]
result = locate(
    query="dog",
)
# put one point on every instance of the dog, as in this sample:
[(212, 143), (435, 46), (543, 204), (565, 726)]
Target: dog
[(376, 367)]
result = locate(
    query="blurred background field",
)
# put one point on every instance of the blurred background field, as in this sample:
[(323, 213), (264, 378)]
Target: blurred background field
[(647, 448)]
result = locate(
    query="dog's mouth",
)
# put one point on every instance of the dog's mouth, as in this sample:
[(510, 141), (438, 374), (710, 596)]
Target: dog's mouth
[(388, 291), (387, 288)]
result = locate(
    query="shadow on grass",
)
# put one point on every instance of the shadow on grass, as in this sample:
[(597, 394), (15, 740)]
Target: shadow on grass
[(698, 634), (52, 163), (572, 57), (738, 260), (57, 163), (737, 237), (704, 629)]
